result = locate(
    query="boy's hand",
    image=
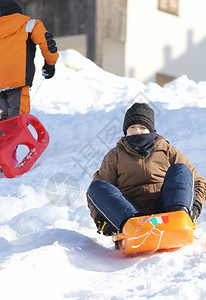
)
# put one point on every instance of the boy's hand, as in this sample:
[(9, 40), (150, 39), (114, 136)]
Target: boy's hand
[(196, 210), (48, 71)]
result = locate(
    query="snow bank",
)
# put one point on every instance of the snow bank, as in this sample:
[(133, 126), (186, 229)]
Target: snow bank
[(52, 251)]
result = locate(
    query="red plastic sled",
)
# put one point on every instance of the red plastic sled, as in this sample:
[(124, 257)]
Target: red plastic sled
[(155, 232), (15, 133)]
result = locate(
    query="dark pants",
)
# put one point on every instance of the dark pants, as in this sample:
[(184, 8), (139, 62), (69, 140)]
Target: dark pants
[(177, 189), (14, 102)]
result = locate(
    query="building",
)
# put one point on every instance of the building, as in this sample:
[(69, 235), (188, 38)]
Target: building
[(150, 40)]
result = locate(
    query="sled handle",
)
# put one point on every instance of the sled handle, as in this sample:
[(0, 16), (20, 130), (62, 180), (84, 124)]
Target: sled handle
[(119, 237)]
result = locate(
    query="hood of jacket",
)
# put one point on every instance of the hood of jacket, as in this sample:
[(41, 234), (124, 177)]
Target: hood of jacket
[(11, 24)]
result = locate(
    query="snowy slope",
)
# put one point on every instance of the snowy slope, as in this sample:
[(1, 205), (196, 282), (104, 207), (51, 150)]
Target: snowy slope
[(52, 251)]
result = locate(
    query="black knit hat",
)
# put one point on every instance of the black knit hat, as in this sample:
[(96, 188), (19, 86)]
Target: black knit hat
[(9, 7), (139, 113)]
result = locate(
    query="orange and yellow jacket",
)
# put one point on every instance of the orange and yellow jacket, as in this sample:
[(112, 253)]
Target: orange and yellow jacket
[(19, 36)]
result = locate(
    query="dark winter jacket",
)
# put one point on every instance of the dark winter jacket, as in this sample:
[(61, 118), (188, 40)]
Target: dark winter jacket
[(19, 36), (140, 178)]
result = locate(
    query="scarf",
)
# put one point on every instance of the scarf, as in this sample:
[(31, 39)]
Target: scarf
[(142, 143)]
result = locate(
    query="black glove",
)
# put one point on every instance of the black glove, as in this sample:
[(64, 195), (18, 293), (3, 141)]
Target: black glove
[(48, 71), (196, 210), (103, 225)]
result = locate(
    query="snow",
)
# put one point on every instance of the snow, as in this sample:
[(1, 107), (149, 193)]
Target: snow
[(49, 247)]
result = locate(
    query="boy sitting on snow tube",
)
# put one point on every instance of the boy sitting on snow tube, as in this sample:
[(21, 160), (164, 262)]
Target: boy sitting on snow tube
[(143, 175)]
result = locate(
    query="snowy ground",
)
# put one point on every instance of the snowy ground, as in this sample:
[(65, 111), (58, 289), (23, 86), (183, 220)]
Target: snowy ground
[(52, 251)]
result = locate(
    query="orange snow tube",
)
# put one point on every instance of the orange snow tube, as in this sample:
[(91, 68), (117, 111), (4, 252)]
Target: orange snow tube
[(155, 232)]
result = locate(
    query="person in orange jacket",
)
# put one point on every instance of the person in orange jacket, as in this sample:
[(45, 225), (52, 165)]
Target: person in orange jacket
[(19, 35)]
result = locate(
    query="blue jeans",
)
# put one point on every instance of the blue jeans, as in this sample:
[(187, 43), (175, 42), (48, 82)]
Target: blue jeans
[(177, 189)]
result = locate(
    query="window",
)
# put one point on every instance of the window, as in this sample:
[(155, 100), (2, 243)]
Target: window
[(169, 6), (161, 79)]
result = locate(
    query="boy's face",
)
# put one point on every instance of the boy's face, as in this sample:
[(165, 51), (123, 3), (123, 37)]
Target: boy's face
[(137, 129)]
